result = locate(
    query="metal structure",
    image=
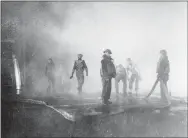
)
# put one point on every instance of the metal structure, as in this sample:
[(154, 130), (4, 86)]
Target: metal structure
[(10, 73)]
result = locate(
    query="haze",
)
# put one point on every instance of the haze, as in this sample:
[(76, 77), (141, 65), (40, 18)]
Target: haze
[(138, 30)]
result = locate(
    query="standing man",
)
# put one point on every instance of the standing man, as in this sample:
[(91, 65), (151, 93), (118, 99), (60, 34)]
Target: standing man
[(108, 72), (163, 69), (121, 76), (79, 66), (132, 75), (49, 72)]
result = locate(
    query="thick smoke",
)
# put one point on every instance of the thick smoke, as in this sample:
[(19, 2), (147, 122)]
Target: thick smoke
[(36, 28), (61, 30)]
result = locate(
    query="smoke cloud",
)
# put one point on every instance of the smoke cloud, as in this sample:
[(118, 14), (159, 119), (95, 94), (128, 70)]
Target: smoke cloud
[(61, 30)]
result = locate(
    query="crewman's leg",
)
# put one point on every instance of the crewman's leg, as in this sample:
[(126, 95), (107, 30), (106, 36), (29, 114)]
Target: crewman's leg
[(124, 80), (131, 81), (165, 81), (136, 84), (50, 88), (81, 83), (49, 85), (167, 94), (117, 88), (53, 84), (104, 89), (164, 91), (161, 90), (80, 80), (117, 79), (109, 86)]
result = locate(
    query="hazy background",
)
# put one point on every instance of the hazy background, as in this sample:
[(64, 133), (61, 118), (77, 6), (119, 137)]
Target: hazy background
[(138, 30)]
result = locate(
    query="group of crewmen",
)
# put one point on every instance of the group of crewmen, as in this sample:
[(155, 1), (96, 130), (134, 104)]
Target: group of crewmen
[(108, 71)]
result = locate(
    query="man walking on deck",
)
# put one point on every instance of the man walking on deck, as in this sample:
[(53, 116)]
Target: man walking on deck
[(79, 66)]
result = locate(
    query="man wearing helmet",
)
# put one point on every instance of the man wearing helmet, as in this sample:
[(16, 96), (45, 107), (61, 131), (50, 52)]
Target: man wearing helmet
[(163, 69), (79, 66), (107, 72)]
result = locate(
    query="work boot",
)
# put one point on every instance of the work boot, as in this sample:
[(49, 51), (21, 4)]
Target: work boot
[(125, 95), (109, 102), (104, 102), (130, 93), (165, 102)]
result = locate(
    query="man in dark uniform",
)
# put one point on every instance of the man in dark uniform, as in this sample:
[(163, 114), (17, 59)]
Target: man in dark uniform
[(108, 72), (163, 69), (49, 72), (79, 66), (121, 76)]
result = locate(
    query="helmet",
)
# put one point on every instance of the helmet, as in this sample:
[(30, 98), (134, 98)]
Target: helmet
[(119, 66), (128, 59), (50, 59), (107, 50), (163, 51), (80, 55)]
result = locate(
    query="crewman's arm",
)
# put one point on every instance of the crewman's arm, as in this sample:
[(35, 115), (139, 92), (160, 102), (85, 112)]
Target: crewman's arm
[(74, 68), (101, 74), (167, 69), (158, 70), (103, 67), (85, 67), (137, 70), (114, 74), (127, 71)]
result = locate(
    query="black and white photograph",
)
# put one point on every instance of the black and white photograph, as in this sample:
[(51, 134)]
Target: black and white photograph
[(93, 69)]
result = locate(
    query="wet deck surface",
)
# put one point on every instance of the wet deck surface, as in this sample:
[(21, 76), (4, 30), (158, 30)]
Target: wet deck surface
[(75, 110), (36, 119)]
